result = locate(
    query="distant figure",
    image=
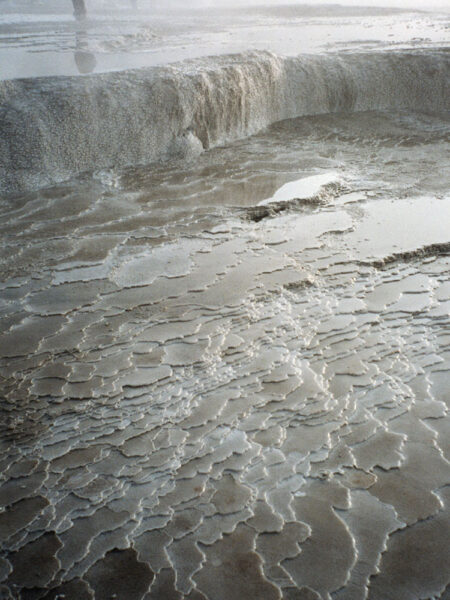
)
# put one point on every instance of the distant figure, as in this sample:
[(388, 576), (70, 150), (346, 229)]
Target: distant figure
[(84, 59), (79, 9)]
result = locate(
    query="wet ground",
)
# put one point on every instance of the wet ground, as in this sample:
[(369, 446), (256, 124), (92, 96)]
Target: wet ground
[(214, 390)]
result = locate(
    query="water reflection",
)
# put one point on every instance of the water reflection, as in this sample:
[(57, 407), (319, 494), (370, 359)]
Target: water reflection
[(84, 59)]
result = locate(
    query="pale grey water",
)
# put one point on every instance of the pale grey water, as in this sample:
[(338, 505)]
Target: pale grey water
[(219, 378), (43, 39)]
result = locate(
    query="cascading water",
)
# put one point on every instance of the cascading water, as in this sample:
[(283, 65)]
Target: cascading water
[(56, 127)]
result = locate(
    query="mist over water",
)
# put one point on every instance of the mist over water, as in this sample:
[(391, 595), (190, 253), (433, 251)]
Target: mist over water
[(224, 301)]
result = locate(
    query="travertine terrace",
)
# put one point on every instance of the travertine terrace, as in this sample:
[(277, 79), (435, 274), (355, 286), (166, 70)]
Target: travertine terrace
[(232, 400)]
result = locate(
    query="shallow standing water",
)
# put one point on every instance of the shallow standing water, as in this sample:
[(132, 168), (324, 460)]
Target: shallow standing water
[(226, 375)]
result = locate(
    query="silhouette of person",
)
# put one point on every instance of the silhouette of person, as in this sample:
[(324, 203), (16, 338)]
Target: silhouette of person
[(84, 59), (79, 9)]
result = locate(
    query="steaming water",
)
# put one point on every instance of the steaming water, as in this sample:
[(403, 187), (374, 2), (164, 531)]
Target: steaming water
[(225, 323)]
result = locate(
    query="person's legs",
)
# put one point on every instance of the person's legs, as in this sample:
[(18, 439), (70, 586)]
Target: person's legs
[(79, 9)]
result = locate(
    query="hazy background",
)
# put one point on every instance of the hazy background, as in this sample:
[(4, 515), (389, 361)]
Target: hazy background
[(400, 3), (63, 5), (390, 3)]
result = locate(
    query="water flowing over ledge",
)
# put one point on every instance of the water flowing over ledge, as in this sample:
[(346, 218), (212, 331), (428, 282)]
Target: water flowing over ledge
[(52, 128)]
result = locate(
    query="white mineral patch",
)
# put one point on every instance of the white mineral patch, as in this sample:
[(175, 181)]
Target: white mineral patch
[(303, 188)]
